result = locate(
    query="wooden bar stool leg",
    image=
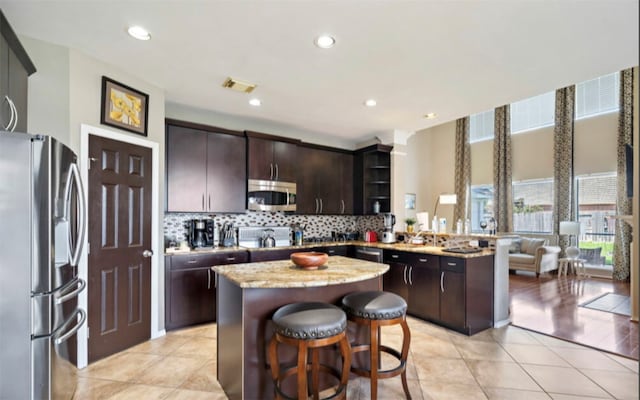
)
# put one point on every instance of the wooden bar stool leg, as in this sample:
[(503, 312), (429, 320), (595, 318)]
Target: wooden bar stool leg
[(315, 373), (273, 361), (374, 354), (406, 341), (345, 352), (303, 390)]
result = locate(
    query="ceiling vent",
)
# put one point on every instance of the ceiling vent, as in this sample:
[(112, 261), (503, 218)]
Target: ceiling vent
[(238, 86)]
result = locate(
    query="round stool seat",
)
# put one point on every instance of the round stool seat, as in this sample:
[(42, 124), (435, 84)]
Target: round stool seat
[(374, 305), (309, 320)]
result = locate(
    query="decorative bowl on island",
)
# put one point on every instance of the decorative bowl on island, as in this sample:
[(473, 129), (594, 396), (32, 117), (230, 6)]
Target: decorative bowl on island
[(309, 259)]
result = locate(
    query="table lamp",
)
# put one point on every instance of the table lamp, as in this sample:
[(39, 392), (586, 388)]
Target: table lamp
[(570, 228)]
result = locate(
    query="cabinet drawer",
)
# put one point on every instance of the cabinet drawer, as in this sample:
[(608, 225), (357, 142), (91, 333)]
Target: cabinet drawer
[(190, 261), (452, 264), (396, 256)]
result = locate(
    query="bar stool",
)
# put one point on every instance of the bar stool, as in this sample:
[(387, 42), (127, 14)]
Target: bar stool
[(309, 326), (375, 309)]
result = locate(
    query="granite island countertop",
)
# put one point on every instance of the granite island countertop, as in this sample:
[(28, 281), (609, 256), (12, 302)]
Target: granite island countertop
[(284, 274)]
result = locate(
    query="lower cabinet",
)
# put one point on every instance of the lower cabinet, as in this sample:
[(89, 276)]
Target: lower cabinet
[(450, 291), (331, 250), (190, 295)]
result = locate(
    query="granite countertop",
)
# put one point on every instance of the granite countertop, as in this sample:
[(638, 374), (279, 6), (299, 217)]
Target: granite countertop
[(421, 249), (284, 274)]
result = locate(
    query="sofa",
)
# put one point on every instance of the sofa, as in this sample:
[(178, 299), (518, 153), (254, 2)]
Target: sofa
[(533, 253)]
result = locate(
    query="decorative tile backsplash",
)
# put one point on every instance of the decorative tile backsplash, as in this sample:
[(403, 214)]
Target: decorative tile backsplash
[(314, 225)]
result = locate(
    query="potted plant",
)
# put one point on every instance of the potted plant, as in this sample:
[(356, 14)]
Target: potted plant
[(410, 222)]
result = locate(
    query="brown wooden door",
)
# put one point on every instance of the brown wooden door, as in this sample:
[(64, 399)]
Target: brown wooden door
[(119, 232)]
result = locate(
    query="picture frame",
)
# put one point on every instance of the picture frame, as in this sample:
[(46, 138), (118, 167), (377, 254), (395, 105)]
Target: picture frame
[(410, 201), (124, 107)]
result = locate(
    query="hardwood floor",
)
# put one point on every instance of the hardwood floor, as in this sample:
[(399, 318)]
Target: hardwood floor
[(549, 305)]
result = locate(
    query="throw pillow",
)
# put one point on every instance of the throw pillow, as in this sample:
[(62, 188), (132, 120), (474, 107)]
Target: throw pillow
[(533, 246), (515, 246)]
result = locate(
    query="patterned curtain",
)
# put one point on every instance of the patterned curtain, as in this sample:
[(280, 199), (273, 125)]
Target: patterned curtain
[(463, 171), (563, 206), (621, 257), (502, 191)]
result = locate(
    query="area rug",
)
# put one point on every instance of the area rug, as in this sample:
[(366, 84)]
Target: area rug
[(610, 302)]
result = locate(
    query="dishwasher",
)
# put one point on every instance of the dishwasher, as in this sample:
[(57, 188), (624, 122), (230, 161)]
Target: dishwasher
[(368, 253)]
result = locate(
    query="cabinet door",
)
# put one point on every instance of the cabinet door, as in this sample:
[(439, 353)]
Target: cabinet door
[(395, 280), (260, 159), (226, 173), (192, 297), (271, 255), (424, 287), (345, 202), (452, 299), (5, 109), (331, 250), (285, 161), (186, 169), (307, 201), (18, 81)]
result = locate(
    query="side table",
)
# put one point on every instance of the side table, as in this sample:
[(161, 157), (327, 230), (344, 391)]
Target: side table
[(570, 265)]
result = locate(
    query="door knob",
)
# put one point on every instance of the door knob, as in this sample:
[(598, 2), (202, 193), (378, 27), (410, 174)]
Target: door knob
[(147, 253)]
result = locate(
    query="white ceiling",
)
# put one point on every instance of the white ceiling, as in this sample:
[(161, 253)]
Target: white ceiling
[(451, 57)]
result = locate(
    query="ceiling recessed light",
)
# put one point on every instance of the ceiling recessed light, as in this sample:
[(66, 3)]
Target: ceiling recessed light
[(139, 33), (255, 102), (325, 41), (370, 103), (430, 115)]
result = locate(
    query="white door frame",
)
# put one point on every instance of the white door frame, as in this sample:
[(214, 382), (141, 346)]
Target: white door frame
[(85, 131)]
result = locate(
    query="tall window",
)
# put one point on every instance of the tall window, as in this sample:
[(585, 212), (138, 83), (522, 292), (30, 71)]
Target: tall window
[(481, 206), (532, 113), (598, 96), (481, 126), (596, 206), (533, 206)]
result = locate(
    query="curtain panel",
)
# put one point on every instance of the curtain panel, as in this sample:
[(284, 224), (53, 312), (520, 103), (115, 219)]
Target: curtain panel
[(621, 255), (502, 185), (563, 188), (462, 171)]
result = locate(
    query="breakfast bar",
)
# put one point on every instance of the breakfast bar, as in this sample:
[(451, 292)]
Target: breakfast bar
[(249, 294)]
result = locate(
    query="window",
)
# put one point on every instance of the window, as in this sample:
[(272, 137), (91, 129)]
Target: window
[(596, 204), (481, 126), (534, 112), (533, 206), (598, 96), (481, 206)]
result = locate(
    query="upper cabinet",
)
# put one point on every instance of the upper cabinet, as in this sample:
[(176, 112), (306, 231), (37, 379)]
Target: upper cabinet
[(206, 168), (325, 181), (372, 179), (271, 159), (15, 68)]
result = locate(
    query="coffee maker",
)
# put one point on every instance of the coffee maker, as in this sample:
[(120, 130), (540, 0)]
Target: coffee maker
[(200, 233), (388, 235)]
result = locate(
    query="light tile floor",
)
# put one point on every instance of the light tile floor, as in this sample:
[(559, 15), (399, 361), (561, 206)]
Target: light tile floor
[(507, 363)]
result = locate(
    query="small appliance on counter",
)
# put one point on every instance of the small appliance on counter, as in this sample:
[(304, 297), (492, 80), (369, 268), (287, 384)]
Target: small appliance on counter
[(200, 233), (264, 236), (388, 236), (370, 236)]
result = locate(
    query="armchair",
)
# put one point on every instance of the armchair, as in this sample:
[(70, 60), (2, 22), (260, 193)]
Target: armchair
[(533, 254)]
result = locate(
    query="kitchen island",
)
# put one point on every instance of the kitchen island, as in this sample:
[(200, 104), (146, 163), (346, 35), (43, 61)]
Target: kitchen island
[(248, 295)]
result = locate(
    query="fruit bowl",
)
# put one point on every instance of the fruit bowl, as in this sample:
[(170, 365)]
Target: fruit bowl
[(309, 259)]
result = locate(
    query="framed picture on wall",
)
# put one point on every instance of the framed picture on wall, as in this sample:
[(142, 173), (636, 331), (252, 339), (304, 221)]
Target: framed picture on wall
[(410, 201), (124, 107)]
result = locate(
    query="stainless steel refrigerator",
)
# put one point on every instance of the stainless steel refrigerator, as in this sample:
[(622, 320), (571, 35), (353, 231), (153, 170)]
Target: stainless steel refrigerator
[(42, 228)]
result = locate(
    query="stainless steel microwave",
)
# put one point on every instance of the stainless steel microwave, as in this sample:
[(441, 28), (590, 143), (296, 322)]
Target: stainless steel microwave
[(271, 195)]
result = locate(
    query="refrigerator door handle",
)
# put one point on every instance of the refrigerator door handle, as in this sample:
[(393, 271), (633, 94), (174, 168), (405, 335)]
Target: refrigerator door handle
[(82, 208), (80, 284), (72, 331)]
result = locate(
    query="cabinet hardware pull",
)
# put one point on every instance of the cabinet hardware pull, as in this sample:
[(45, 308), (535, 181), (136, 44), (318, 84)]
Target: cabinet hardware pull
[(371, 253), (231, 258), (451, 264), (316, 205), (8, 127), (277, 174), (208, 279), (209, 202), (192, 261), (411, 275), (442, 281), (320, 206), (343, 207), (422, 259), (271, 171), (203, 201), (331, 251), (215, 280), (394, 256), (14, 111), (404, 274)]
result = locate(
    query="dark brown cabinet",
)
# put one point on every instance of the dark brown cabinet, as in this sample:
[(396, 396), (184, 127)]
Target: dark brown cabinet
[(325, 181), (270, 159), (331, 250), (466, 293), (206, 168), (190, 296), (272, 254), (372, 179), (15, 68)]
